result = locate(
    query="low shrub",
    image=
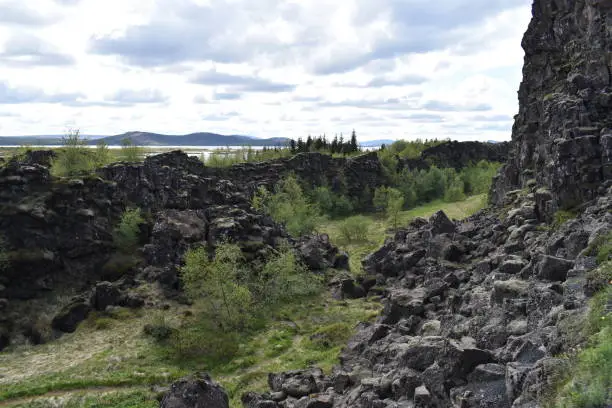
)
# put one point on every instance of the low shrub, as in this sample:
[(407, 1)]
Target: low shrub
[(355, 229), (131, 152), (73, 158), (126, 235)]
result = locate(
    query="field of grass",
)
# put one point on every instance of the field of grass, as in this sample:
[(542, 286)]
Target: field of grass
[(378, 228), (118, 366)]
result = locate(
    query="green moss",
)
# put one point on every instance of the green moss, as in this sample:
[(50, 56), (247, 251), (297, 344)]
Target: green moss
[(563, 216)]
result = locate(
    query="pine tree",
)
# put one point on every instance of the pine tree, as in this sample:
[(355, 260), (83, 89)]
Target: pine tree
[(292, 146), (354, 147)]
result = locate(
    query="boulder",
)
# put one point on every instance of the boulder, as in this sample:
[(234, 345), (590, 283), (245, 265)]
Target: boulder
[(196, 391)]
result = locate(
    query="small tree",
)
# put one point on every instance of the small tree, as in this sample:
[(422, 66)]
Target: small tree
[(216, 282), (73, 158), (131, 152), (126, 234), (102, 155), (391, 201)]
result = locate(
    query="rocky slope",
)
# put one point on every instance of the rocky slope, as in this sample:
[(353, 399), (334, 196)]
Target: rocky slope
[(562, 136), (475, 313)]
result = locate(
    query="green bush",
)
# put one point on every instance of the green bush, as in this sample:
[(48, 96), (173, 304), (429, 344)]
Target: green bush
[(102, 154), (74, 158), (289, 205), (131, 152), (391, 201), (217, 283), (330, 203), (284, 278), (159, 328), (126, 234), (355, 229)]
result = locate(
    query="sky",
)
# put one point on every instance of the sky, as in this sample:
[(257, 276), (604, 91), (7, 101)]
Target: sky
[(389, 69)]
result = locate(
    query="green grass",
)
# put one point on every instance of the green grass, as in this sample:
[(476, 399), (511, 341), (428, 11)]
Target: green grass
[(125, 363), (589, 383), (379, 226)]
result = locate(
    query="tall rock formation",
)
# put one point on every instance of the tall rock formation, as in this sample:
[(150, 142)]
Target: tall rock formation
[(562, 136)]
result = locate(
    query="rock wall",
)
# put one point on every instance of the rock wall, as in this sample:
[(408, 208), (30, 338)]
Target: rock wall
[(562, 136), (348, 175)]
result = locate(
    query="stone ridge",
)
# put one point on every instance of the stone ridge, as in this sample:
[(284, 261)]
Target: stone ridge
[(562, 136)]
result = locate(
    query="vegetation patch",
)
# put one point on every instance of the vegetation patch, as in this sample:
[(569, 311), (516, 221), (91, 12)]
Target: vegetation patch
[(589, 383)]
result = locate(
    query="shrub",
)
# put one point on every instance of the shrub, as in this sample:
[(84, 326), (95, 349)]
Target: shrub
[(288, 205), (159, 329), (126, 234), (102, 155), (217, 283), (284, 278), (74, 158), (355, 229), (131, 152), (391, 201)]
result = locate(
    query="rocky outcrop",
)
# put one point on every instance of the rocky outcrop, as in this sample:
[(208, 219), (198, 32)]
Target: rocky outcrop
[(196, 391), (58, 233), (474, 314), (457, 155), (351, 176), (562, 136)]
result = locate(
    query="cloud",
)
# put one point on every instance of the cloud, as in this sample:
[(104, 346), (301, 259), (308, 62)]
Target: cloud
[(28, 50), (227, 96), (383, 104), (133, 96), (182, 31), (441, 106), (16, 12), (423, 117), (241, 83), (13, 96), (67, 2), (492, 118), (400, 81), (220, 117)]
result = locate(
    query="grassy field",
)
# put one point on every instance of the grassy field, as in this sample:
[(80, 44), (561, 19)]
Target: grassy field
[(114, 364), (119, 366), (378, 228)]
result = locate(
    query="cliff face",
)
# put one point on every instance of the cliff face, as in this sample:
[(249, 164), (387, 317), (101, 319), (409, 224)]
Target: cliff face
[(562, 136)]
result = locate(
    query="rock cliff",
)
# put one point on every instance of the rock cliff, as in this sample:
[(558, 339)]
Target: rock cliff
[(562, 136)]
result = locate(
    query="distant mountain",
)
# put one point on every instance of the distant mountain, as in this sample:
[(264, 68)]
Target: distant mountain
[(152, 139), (192, 139), (376, 143)]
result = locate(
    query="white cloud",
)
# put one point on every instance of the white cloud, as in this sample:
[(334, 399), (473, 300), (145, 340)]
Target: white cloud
[(388, 68)]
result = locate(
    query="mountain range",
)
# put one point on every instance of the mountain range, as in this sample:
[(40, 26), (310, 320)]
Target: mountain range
[(153, 139)]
